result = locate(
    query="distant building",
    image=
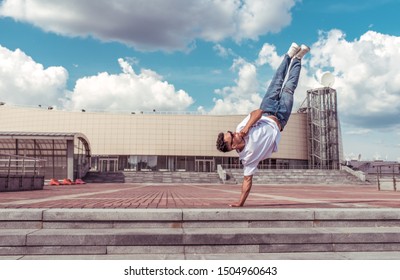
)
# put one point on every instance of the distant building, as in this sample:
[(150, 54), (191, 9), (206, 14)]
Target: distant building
[(152, 141), (157, 141)]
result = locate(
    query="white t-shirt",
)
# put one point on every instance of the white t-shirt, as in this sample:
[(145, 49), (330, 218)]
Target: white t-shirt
[(261, 141)]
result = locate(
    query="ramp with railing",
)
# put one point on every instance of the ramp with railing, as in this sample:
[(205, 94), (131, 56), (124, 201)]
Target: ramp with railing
[(19, 173)]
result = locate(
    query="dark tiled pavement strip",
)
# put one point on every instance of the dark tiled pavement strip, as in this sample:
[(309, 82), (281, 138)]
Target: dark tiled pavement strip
[(200, 196)]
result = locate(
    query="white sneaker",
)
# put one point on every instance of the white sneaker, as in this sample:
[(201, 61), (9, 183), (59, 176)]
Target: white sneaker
[(303, 50), (293, 50)]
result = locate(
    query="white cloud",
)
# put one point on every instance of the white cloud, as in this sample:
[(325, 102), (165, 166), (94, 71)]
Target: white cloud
[(127, 91), (245, 96), (255, 17), (223, 52), (367, 79), (154, 24), (242, 97), (367, 76), (26, 82), (359, 131), (268, 55)]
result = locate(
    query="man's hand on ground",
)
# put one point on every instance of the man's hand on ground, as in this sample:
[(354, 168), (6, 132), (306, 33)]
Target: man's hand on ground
[(235, 205)]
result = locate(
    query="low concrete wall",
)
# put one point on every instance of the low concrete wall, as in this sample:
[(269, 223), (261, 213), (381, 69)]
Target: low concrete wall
[(12, 183)]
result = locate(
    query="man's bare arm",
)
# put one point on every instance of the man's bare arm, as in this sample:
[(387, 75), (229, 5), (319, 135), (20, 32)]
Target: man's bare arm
[(254, 117), (246, 187)]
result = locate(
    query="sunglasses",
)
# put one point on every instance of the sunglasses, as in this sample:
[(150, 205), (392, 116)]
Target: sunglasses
[(231, 134)]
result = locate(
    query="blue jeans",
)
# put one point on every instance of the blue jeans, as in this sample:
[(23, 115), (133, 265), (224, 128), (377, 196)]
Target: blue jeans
[(278, 101)]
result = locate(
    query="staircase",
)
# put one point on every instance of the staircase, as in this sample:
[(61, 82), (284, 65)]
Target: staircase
[(297, 176), (153, 177), (195, 233), (172, 177)]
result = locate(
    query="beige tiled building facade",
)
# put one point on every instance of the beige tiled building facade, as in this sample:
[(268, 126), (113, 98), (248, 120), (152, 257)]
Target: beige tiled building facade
[(153, 141)]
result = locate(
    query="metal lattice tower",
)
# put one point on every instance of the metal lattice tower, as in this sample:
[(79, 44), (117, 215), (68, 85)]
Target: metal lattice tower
[(323, 129)]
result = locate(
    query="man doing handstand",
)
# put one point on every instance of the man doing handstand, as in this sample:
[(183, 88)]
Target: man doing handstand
[(258, 135)]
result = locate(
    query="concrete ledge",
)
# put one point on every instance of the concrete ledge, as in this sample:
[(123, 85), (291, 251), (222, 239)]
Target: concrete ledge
[(251, 236), (77, 225), (112, 215), (357, 214), (366, 235), (237, 256), (196, 218), (356, 223), (81, 237), (20, 225), (66, 250), (21, 214), (13, 183), (222, 249), (366, 247), (13, 250), (118, 250), (286, 248), (213, 224), (198, 215), (106, 257), (282, 224), (53, 250), (14, 237), (247, 214)]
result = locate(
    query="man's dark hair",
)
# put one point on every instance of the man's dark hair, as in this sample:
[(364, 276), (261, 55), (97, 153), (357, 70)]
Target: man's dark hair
[(221, 144)]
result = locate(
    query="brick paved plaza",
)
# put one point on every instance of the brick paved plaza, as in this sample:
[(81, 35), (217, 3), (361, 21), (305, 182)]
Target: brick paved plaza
[(200, 196)]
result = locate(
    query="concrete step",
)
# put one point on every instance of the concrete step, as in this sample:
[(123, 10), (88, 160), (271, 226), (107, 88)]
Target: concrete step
[(102, 232), (297, 176), (198, 240), (381, 255), (197, 218), (152, 177)]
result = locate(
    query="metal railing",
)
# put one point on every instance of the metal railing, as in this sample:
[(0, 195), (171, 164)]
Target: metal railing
[(266, 166), (20, 165), (388, 175)]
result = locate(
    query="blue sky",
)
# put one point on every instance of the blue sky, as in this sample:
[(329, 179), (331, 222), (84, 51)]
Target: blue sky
[(210, 56)]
